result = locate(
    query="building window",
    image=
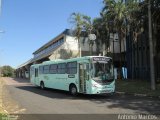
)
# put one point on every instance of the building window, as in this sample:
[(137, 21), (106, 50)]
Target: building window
[(53, 69), (61, 68), (72, 68), (50, 47)]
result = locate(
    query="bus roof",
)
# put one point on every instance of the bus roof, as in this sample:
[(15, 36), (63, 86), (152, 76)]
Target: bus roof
[(68, 60)]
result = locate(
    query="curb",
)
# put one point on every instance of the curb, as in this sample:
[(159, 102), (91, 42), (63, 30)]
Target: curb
[(137, 94)]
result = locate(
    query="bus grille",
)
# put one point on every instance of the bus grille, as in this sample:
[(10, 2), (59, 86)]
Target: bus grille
[(104, 82)]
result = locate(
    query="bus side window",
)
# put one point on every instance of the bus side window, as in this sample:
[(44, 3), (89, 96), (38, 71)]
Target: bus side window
[(61, 68), (36, 72), (32, 71), (53, 69), (46, 69), (72, 68), (41, 70)]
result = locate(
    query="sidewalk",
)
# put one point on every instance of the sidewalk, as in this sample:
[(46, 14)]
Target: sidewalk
[(136, 88), (2, 110), (7, 105)]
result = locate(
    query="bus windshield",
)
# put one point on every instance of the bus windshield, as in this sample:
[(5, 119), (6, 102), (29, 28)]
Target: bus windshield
[(102, 70)]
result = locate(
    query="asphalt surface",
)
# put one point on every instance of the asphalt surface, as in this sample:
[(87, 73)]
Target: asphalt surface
[(31, 102)]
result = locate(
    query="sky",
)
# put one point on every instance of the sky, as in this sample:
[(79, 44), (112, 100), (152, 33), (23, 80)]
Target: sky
[(26, 25)]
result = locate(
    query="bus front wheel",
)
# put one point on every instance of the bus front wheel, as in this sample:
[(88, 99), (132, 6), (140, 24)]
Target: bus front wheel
[(42, 86), (73, 90)]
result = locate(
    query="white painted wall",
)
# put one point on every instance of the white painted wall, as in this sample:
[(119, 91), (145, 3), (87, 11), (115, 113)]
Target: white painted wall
[(72, 44), (70, 48), (117, 46)]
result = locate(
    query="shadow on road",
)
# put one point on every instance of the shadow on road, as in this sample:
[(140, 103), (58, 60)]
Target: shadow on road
[(21, 80), (60, 94), (142, 104)]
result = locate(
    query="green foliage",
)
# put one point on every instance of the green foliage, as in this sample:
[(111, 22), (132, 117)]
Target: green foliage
[(2, 116), (137, 87), (117, 16), (7, 71), (83, 26), (81, 23), (76, 19), (100, 29), (120, 14)]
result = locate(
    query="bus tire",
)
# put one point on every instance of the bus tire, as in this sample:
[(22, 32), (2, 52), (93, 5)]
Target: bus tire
[(42, 85), (73, 90)]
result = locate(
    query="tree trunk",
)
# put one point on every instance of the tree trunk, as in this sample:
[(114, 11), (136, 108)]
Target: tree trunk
[(79, 48), (120, 61), (124, 52), (113, 58), (133, 57), (90, 49), (104, 49), (152, 71)]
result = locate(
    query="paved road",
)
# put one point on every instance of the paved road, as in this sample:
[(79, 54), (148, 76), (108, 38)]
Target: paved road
[(29, 99)]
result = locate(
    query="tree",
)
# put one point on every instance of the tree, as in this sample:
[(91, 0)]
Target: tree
[(121, 15), (83, 26), (7, 71), (150, 13), (152, 71), (100, 29), (77, 20), (88, 26)]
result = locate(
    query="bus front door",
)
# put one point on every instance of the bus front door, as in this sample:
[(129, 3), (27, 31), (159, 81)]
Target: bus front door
[(83, 69)]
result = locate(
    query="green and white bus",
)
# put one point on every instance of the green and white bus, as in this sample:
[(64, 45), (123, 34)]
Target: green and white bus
[(87, 75)]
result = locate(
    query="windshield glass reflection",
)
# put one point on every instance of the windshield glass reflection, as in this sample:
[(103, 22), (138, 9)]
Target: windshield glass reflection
[(102, 71)]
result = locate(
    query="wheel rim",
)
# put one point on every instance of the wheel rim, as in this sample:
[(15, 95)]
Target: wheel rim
[(42, 85), (73, 90)]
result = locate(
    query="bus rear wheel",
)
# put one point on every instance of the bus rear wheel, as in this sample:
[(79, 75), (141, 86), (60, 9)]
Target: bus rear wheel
[(73, 90), (42, 86)]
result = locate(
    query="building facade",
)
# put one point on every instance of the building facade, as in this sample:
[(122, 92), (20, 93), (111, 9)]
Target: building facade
[(63, 46), (138, 51)]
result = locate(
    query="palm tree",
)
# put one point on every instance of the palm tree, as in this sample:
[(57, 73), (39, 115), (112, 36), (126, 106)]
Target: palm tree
[(77, 20), (100, 29), (83, 27), (97, 29), (88, 27), (152, 69), (116, 12), (121, 15)]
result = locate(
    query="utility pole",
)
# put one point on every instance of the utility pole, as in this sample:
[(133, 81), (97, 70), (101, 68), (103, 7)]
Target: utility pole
[(152, 71), (0, 14)]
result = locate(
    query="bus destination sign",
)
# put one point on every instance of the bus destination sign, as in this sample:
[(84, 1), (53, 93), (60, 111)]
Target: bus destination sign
[(100, 59)]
